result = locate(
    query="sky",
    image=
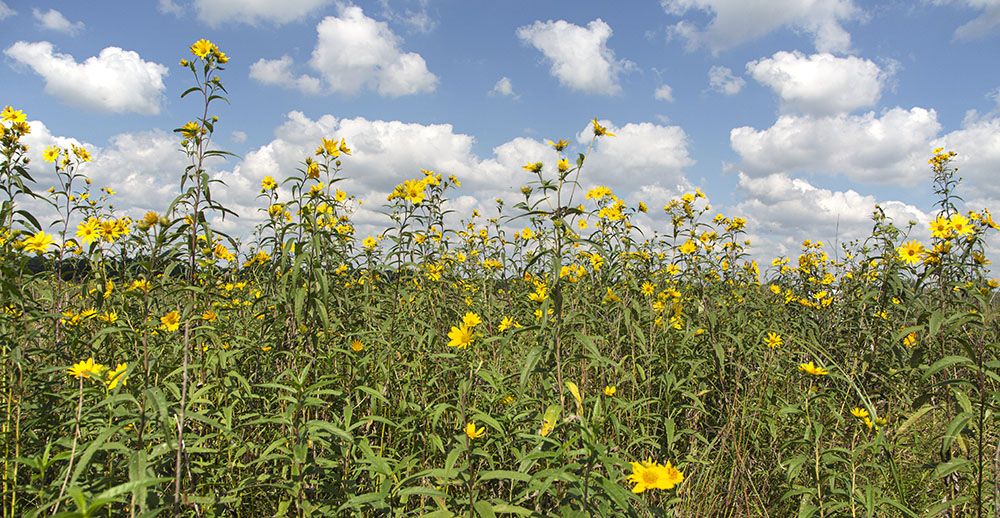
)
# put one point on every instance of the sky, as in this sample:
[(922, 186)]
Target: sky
[(799, 115)]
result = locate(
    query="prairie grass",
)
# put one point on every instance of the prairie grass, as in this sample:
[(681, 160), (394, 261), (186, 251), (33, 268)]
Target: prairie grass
[(550, 359)]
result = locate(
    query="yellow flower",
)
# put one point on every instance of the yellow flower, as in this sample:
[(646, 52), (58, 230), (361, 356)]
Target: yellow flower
[(960, 225), (368, 242), (561, 144), (209, 316), (535, 167), (911, 252), (689, 247), (460, 336), (202, 48), (601, 130), (357, 346), (50, 154), (651, 475), (812, 369), (940, 228), (473, 432), (268, 184), (316, 189), (86, 232), (85, 369), (507, 323), (609, 390), (117, 375), (471, 319), (563, 165), (773, 340), (82, 154), (910, 339), (38, 243), (860, 413), (170, 322), (11, 115)]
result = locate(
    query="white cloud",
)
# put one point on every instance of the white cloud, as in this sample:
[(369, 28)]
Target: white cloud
[(55, 21), (722, 80), (580, 57), (239, 136), (116, 80), (278, 72), (889, 149), (735, 22), (664, 93), (640, 154), (169, 7), (503, 87), (978, 146), (981, 26), (783, 211), (252, 12), (5, 10), (353, 52), (142, 168), (820, 84)]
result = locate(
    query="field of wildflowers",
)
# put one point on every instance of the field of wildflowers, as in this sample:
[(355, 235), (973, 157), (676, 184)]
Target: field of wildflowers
[(551, 359)]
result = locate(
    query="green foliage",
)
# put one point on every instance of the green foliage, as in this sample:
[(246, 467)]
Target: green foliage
[(522, 364)]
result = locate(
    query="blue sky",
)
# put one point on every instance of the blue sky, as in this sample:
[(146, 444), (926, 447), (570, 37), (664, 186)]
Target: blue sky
[(797, 114)]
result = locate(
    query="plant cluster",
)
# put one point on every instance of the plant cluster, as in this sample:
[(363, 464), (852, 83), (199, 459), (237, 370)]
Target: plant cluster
[(520, 363)]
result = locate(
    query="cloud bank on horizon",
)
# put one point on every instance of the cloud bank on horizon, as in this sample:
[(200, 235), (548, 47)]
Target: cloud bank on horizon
[(825, 115)]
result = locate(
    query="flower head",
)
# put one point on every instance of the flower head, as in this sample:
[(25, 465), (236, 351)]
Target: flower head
[(812, 369), (117, 375), (202, 48), (170, 322), (652, 475), (357, 346), (473, 432), (773, 340), (38, 243), (85, 369), (460, 336), (609, 390), (561, 144), (601, 130), (911, 252)]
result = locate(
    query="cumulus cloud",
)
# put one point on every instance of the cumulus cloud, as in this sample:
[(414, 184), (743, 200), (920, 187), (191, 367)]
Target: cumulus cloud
[(784, 211), (55, 21), (142, 168), (888, 149), (278, 72), (651, 154), (722, 80), (503, 87), (820, 84), (253, 12), (735, 22), (353, 52), (116, 80), (977, 143), (384, 153), (664, 93), (580, 56), (983, 25)]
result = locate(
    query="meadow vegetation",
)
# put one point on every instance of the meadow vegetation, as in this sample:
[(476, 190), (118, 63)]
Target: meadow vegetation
[(550, 358)]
